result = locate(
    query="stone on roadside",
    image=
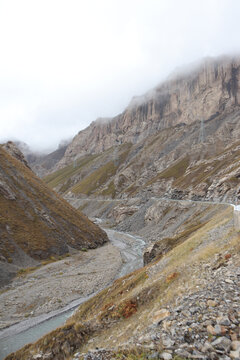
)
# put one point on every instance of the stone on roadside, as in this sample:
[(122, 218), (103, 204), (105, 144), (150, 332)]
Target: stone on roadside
[(211, 303), (211, 330), (235, 345), (167, 342), (207, 347), (235, 354), (165, 356), (222, 343), (220, 330), (153, 356), (160, 315), (223, 320)]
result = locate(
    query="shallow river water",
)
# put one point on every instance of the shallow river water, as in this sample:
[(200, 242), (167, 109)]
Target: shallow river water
[(18, 335)]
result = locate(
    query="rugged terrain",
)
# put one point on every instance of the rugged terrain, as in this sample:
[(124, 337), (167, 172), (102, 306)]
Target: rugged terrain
[(35, 223), (156, 220), (205, 91), (183, 305), (42, 163), (180, 140), (166, 169)]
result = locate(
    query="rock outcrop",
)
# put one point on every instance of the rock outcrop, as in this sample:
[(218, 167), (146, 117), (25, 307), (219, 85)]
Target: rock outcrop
[(14, 151)]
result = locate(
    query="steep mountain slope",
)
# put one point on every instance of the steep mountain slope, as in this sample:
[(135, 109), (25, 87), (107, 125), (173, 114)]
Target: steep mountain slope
[(172, 163), (205, 91), (170, 151), (35, 222)]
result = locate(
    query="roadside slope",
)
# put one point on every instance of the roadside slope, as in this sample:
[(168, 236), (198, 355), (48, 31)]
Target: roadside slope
[(120, 317)]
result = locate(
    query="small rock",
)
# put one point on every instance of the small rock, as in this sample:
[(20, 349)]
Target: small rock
[(145, 338), (198, 356), (167, 342), (220, 330), (160, 315), (222, 343), (166, 325), (47, 356), (183, 353), (235, 345), (207, 347), (234, 337), (150, 346), (224, 320), (154, 356), (186, 313), (213, 356), (235, 354), (211, 303), (217, 329), (165, 356), (211, 330)]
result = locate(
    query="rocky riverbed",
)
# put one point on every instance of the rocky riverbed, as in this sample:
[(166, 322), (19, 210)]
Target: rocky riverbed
[(51, 291), (55, 285)]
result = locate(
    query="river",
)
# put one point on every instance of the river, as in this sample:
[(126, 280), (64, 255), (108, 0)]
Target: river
[(18, 335)]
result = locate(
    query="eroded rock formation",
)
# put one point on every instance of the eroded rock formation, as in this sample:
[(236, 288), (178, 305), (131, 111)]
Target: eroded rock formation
[(203, 91)]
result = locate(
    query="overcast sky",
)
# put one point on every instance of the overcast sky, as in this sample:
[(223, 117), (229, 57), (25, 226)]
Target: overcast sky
[(63, 63)]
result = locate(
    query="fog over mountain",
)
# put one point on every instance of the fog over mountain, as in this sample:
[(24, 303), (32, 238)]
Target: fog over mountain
[(65, 63)]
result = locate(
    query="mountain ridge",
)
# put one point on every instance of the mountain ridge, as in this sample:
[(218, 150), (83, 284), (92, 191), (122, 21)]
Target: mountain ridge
[(166, 131)]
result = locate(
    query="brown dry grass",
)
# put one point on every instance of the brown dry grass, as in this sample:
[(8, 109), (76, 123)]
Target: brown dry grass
[(39, 221)]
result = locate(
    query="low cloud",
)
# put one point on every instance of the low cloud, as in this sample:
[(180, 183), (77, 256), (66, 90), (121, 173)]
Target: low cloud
[(65, 63)]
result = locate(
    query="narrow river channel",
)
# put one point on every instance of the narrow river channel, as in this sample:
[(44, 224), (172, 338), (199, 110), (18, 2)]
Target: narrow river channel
[(16, 336)]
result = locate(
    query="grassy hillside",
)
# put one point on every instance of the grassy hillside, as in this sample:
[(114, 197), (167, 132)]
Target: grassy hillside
[(171, 162), (91, 174), (35, 222)]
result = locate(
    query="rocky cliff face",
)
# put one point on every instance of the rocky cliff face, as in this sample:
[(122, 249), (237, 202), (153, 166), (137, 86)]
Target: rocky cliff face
[(35, 223), (182, 141), (203, 92)]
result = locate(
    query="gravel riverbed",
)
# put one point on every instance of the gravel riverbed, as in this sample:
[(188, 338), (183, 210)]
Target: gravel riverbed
[(40, 301), (53, 286)]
